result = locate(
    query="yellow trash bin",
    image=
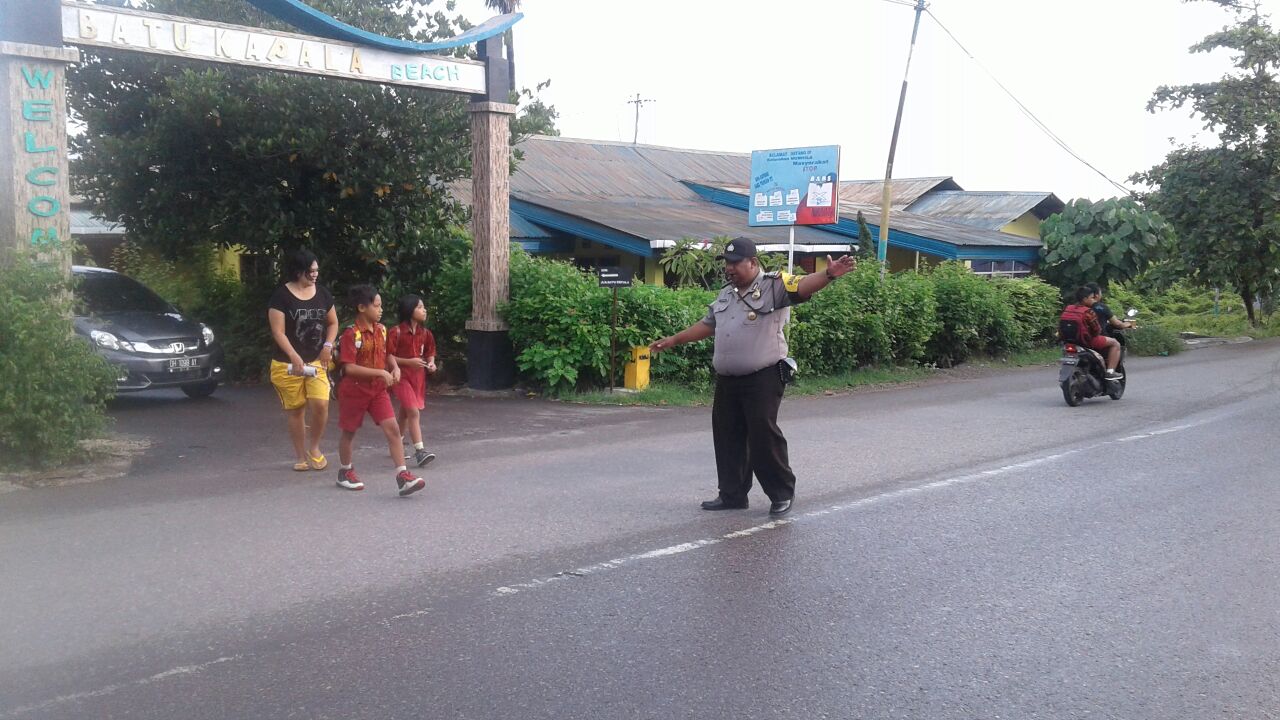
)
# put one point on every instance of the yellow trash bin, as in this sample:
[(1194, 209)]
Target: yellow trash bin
[(635, 376)]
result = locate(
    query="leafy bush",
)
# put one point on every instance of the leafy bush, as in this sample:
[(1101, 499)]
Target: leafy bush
[(974, 317), (1154, 340), (843, 327), (559, 323), (53, 386), (1104, 242), (1035, 305), (649, 312), (910, 310)]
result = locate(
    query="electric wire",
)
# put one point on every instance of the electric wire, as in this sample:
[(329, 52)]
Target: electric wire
[(1025, 110)]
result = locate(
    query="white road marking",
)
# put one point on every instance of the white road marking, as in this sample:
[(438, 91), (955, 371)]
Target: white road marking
[(74, 697), (515, 588)]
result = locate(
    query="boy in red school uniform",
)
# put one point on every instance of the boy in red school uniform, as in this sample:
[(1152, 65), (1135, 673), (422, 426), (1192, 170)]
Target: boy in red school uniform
[(367, 371), (414, 348)]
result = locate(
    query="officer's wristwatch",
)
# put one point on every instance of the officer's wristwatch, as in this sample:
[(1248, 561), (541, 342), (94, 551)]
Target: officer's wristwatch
[(830, 277)]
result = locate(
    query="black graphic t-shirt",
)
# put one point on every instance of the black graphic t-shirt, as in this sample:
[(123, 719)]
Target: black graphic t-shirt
[(304, 321)]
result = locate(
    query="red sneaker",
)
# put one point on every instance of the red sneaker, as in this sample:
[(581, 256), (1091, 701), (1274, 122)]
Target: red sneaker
[(409, 484), (347, 479)]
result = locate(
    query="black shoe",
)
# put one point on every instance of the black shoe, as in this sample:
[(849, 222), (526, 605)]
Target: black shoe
[(780, 507), (720, 504)]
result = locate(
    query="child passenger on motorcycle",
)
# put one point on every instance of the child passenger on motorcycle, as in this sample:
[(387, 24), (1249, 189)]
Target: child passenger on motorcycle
[(1107, 319), (1091, 334)]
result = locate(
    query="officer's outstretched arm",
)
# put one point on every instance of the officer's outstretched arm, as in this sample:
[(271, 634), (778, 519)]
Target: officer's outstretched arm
[(693, 333)]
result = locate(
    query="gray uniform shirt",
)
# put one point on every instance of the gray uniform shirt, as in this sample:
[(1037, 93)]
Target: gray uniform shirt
[(748, 325)]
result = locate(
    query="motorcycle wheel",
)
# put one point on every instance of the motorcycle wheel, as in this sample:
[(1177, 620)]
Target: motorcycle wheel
[(1071, 390), (1116, 389)]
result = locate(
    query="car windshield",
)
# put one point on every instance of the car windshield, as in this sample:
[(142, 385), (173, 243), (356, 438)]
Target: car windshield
[(105, 293)]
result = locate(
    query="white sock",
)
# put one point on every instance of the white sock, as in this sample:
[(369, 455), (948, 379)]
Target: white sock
[(347, 466), (417, 446), (401, 469)]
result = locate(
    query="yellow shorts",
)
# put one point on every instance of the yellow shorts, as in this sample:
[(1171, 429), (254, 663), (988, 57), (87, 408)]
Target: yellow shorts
[(295, 390)]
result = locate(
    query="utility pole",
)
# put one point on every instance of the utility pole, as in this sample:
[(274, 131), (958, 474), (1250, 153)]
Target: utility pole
[(882, 251), (638, 101)]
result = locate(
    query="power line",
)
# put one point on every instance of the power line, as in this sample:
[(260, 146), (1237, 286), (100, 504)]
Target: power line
[(1025, 110)]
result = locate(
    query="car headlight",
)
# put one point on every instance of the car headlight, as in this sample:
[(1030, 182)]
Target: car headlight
[(206, 333), (109, 341), (105, 339)]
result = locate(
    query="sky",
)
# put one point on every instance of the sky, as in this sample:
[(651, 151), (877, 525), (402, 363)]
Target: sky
[(750, 75)]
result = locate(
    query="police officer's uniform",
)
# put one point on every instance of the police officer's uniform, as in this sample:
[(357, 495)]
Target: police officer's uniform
[(749, 344)]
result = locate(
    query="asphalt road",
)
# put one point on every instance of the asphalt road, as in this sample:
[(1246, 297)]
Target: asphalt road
[(959, 549)]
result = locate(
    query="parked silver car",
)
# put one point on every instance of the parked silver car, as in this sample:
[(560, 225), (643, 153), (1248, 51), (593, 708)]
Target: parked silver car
[(145, 338)]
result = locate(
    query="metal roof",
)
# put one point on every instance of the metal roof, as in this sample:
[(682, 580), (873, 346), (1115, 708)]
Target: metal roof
[(937, 229), (902, 192), (663, 220), (987, 209), (610, 169), (83, 223), (637, 190)]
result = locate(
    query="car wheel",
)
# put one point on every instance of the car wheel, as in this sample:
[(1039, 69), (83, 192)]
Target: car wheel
[(204, 389)]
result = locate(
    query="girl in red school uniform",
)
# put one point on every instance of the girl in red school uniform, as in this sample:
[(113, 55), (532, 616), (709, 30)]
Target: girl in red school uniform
[(414, 348)]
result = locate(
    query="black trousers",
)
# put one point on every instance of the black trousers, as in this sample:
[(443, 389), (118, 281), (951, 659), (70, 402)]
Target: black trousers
[(744, 427)]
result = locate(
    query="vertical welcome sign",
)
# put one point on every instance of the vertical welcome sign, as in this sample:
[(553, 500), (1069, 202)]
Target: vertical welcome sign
[(33, 147)]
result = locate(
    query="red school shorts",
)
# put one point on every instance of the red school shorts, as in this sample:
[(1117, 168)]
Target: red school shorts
[(355, 398), (411, 391), (1099, 343)]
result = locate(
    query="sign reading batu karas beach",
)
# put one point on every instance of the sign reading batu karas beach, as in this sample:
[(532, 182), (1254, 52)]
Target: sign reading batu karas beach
[(218, 42)]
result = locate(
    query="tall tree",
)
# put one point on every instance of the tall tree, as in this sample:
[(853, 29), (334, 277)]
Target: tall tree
[(190, 153), (1224, 201)]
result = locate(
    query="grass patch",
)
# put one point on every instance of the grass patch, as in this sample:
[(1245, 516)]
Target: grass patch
[(681, 396), (677, 395), (1223, 325)]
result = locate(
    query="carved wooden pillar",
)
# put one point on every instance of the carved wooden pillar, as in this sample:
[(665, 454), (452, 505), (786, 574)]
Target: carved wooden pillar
[(35, 189), (490, 364)]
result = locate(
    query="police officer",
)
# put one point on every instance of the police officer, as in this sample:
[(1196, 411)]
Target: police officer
[(747, 319)]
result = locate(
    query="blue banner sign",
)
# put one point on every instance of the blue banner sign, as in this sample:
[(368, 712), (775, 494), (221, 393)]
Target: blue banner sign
[(795, 186)]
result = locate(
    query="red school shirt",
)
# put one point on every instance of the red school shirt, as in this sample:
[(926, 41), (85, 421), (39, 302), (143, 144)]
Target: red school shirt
[(372, 350), (403, 341)]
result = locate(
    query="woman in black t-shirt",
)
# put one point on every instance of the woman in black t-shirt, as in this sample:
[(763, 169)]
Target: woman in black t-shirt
[(303, 324)]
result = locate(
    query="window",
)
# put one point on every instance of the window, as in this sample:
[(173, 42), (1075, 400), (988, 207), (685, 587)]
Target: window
[(1000, 268), (106, 293)]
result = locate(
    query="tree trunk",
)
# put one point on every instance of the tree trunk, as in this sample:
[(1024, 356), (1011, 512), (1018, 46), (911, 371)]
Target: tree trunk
[(1246, 294)]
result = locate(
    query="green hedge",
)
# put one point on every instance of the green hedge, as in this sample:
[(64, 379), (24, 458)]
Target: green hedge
[(53, 386), (559, 321)]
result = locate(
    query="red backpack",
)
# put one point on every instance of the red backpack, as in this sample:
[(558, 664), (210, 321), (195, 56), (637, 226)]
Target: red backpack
[(1073, 325)]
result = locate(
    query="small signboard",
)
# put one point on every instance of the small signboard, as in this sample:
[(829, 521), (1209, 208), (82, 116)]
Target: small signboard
[(795, 186), (615, 277)]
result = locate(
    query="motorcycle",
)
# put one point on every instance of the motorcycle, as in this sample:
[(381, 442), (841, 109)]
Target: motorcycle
[(1083, 371)]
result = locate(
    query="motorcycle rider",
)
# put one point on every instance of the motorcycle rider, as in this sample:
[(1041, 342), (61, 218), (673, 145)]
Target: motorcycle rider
[(1107, 319), (1090, 332)]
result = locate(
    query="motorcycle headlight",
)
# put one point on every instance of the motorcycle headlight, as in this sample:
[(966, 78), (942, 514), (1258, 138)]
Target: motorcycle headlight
[(105, 339), (206, 333)]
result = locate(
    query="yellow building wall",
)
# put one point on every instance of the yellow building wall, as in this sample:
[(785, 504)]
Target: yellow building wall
[(1027, 226), (228, 261)]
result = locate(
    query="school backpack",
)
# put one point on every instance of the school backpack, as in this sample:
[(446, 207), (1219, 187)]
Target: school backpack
[(1073, 325)]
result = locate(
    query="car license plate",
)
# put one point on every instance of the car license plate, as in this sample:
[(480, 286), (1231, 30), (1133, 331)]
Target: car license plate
[(176, 364), (1070, 360)]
